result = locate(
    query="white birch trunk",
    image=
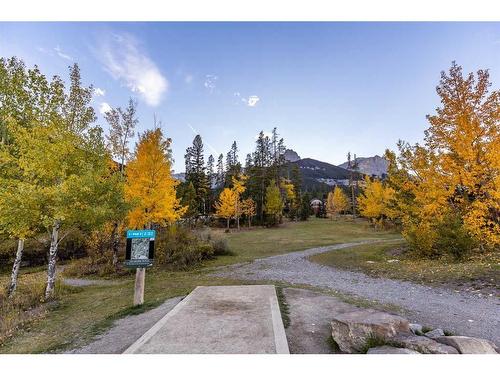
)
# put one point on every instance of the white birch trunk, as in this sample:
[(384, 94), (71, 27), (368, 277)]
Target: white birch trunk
[(115, 244), (15, 267), (51, 270)]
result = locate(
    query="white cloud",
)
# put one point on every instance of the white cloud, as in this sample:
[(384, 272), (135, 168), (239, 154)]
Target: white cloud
[(61, 54), (104, 107), (188, 79), (125, 62), (253, 100), (210, 82), (99, 92)]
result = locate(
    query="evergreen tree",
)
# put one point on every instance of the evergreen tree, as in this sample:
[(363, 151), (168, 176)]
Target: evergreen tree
[(305, 207), (220, 176), (195, 173)]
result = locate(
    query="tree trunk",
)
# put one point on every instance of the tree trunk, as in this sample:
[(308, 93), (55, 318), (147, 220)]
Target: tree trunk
[(51, 270), (227, 223), (15, 267), (115, 244)]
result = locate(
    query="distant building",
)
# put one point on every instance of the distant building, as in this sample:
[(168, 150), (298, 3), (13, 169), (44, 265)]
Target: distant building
[(316, 205)]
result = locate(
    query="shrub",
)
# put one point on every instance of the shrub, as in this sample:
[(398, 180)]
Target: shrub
[(218, 242), (178, 248)]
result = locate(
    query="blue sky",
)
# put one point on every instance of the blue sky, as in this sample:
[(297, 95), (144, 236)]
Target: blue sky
[(330, 88)]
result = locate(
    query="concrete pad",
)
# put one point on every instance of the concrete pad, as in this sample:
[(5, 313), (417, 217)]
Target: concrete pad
[(219, 319)]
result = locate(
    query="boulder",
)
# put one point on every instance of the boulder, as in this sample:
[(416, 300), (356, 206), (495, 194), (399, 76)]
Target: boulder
[(438, 332), (386, 349), (468, 345), (352, 330), (422, 344), (416, 328)]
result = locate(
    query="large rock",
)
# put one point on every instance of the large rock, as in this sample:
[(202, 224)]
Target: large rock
[(352, 330), (438, 332), (416, 328), (468, 345), (422, 344), (390, 350)]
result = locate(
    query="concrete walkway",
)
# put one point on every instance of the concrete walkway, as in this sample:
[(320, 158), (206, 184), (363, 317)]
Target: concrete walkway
[(219, 319)]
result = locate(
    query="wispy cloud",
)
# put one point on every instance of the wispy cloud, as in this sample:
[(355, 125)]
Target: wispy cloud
[(211, 82), (99, 92), (125, 61), (104, 107), (61, 54), (250, 101), (188, 79), (253, 100)]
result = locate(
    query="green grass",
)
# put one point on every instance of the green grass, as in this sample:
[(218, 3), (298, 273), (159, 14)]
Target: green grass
[(88, 311), (378, 260), (284, 309), (294, 236)]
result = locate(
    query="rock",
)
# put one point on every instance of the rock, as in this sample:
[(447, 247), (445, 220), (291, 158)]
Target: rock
[(390, 350), (438, 332), (416, 328), (468, 345), (351, 330), (422, 344)]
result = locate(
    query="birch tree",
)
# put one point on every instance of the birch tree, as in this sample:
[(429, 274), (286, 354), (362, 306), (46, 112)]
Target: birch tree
[(122, 123)]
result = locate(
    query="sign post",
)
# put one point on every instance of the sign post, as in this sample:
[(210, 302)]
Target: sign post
[(139, 255)]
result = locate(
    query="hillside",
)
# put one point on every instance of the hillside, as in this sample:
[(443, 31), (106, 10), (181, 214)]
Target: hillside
[(375, 165), (318, 175)]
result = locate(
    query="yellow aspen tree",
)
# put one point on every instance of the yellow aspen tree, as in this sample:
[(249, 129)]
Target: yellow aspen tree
[(274, 202), (339, 201), (248, 208), (375, 201), (225, 207), (238, 189), (150, 187)]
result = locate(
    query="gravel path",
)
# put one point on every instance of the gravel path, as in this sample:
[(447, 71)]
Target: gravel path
[(126, 331), (460, 313)]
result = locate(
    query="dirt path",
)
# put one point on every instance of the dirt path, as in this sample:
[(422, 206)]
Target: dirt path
[(459, 313)]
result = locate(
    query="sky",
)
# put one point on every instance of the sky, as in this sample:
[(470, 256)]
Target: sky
[(329, 88)]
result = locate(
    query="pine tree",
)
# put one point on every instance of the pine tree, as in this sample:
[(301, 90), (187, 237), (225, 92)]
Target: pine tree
[(220, 177), (195, 173)]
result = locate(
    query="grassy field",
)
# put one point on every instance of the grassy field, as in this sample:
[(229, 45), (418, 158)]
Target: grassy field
[(81, 313), (383, 260)]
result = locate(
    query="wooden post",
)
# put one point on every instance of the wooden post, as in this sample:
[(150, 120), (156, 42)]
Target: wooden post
[(140, 276)]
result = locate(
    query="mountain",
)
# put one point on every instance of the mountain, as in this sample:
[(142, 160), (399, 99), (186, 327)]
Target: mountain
[(179, 176), (318, 175), (375, 165), (291, 155)]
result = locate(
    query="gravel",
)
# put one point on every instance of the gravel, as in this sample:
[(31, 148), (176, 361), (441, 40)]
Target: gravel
[(459, 313), (126, 331)]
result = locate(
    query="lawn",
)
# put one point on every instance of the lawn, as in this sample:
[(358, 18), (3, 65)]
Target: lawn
[(81, 313), (384, 260)]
